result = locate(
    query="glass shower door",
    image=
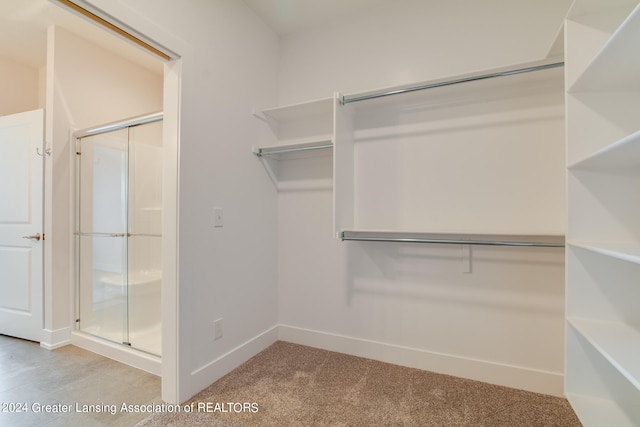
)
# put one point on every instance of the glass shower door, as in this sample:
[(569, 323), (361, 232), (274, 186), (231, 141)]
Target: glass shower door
[(145, 238), (102, 235), (119, 240)]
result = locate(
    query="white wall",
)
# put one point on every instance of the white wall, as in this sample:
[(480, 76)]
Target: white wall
[(86, 86), (19, 85), (415, 305), (399, 42), (228, 66), (410, 305)]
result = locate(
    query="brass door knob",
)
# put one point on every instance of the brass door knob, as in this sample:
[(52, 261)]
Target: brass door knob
[(33, 236)]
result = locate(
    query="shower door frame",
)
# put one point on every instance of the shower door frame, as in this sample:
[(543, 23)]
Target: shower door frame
[(77, 137)]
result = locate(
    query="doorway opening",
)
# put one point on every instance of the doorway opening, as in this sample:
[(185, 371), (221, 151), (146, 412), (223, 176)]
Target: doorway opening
[(168, 366)]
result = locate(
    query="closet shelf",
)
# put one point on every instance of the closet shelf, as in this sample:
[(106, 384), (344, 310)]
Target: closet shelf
[(296, 111), (621, 156), (555, 241), (602, 378), (617, 342), (614, 67), (629, 252), (292, 146), (598, 411)]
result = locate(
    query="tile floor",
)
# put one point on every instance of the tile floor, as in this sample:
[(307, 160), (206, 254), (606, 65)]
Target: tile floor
[(69, 377)]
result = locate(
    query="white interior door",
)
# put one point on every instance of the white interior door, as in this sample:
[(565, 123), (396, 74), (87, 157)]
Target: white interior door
[(21, 222)]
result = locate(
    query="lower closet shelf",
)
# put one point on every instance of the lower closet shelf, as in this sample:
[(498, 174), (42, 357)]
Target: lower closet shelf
[(599, 412), (616, 342), (527, 240)]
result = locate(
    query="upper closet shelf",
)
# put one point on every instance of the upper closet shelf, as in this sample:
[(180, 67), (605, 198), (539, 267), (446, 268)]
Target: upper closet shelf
[(614, 68), (464, 78), (556, 49), (620, 157), (317, 107), (298, 127)]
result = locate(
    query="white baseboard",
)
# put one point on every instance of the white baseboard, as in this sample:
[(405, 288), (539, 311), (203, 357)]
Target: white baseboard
[(55, 339), (216, 369), (550, 383), (120, 353)]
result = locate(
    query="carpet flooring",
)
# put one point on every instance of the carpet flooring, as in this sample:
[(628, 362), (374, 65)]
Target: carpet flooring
[(294, 385)]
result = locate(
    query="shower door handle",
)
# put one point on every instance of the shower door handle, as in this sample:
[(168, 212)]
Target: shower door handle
[(33, 237)]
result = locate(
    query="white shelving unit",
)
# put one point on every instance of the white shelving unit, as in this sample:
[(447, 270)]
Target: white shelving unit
[(338, 123), (298, 127), (602, 378), (299, 131)]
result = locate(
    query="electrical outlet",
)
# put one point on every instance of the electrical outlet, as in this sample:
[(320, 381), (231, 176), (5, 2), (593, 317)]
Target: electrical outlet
[(217, 329)]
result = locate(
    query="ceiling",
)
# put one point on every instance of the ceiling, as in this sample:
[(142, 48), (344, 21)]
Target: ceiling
[(23, 33), (288, 16), (24, 23)]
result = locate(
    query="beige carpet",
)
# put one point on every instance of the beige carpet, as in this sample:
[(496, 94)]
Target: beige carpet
[(294, 385)]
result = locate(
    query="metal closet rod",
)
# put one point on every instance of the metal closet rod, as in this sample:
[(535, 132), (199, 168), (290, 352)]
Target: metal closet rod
[(260, 152), (116, 234), (135, 121), (358, 98), (481, 242)]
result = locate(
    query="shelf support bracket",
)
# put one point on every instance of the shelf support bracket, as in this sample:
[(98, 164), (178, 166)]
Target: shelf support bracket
[(466, 258)]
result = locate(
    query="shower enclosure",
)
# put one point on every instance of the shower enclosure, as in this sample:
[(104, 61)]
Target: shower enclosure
[(118, 232)]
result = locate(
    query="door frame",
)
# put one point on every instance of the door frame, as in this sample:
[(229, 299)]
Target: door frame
[(172, 381)]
